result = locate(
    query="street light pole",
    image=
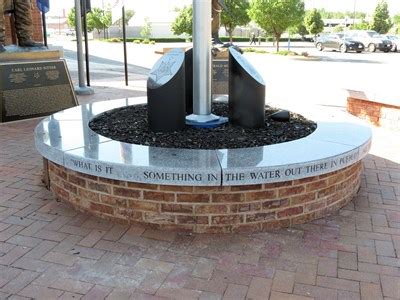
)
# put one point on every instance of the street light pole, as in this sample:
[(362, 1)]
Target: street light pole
[(354, 11)]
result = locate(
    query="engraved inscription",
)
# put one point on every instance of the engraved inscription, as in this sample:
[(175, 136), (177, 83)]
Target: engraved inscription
[(283, 174), (17, 77), (88, 166), (34, 89), (165, 69), (220, 78), (17, 102), (237, 177)]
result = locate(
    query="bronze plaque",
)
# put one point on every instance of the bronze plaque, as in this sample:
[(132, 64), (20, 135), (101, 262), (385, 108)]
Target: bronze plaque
[(220, 79), (34, 89)]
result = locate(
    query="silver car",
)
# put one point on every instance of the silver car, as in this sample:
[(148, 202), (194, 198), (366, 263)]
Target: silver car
[(395, 42), (371, 40)]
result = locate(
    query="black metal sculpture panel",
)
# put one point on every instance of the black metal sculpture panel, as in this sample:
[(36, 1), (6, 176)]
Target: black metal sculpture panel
[(246, 92), (166, 93), (189, 80)]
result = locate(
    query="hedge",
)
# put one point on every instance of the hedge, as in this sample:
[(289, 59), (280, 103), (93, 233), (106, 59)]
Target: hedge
[(224, 39)]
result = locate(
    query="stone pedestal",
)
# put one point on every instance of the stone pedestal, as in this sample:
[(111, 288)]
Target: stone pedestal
[(33, 83)]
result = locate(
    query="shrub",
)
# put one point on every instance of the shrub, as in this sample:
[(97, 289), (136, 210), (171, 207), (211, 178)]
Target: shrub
[(253, 50), (136, 41), (286, 53)]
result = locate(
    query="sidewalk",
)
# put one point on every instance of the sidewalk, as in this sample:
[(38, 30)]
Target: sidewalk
[(49, 251)]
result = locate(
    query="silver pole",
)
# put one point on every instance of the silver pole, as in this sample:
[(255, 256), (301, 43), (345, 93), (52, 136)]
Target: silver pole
[(202, 63), (82, 89), (202, 57)]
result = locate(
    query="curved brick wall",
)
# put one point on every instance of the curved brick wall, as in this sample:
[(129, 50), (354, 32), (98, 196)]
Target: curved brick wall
[(208, 209)]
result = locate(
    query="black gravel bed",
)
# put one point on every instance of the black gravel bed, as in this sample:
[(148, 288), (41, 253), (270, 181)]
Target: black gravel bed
[(129, 125)]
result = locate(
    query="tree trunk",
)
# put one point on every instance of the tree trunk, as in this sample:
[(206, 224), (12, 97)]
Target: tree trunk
[(277, 38)]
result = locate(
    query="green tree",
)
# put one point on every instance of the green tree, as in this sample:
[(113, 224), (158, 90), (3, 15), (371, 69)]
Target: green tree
[(96, 19), (235, 16), (313, 22), (302, 30), (381, 20), (396, 19), (276, 16), (183, 24), (396, 24), (71, 18), (146, 29), (364, 25), (299, 29), (339, 28), (341, 15), (128, 16), (99, 19)]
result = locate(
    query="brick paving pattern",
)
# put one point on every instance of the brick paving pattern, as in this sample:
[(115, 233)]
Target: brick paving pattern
[(50, 251)]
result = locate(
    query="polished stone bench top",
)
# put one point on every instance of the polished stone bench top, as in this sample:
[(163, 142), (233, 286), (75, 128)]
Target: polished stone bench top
[(66, 139)]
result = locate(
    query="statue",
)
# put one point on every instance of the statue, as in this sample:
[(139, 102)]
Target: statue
[(217, 6), (23, 22)]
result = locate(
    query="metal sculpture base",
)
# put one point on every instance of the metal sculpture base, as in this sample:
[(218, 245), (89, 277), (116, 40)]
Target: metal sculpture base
[(205, 121)]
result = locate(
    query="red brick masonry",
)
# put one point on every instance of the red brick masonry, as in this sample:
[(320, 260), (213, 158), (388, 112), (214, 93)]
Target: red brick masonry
[(379, 114), (208, 209)]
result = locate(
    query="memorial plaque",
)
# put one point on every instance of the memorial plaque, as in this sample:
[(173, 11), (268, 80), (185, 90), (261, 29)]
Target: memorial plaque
[(220, 79), (34, 89)]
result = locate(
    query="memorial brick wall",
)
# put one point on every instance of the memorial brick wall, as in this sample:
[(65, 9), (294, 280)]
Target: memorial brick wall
[(200, 209), (376, 113)]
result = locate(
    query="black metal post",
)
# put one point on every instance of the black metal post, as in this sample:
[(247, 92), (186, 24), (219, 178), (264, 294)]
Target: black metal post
[(44, 28), (85, 32), (125, 52)]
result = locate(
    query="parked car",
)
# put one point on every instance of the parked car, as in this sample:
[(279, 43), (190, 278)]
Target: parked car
[(70, 32), (338, 41), (395, 42), (371, 40)]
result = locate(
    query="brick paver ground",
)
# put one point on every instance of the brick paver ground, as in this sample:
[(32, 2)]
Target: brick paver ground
[(47, 250)]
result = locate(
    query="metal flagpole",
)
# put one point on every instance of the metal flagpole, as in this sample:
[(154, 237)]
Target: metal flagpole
[(85, 32), (202, 67), (125, 51), (44, 28), (82, 89)]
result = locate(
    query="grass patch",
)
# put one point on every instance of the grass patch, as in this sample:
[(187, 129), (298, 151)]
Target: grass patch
[(281, 52), (254, 50)]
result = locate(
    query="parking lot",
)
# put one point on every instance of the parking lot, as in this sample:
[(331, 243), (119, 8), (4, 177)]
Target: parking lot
[(322, 78)]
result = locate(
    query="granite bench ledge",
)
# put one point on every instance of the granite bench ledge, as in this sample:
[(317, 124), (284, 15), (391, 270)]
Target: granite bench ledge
[(201, 191), (65, 139)]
